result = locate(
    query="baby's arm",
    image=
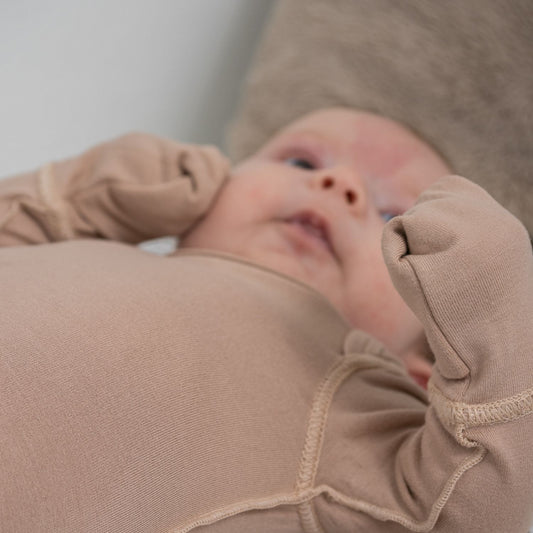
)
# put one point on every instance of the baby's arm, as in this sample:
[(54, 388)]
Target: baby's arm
[(464, 265), (130, 189)]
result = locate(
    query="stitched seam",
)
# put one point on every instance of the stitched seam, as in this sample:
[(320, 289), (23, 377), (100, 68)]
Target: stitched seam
[(308, 518), (459, 415), (56, 212), (383, 514), (313, 445), (303, 494), (317, 422), (241, 507), (315, 432), (380, 513)]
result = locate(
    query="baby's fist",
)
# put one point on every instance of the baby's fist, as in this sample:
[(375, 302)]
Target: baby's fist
[(463, 263)]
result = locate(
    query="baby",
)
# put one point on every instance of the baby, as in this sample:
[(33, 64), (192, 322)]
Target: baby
[(312, 204), (256, 379)]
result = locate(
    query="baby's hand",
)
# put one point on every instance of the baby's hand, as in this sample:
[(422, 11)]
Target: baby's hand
[(129, 189), (464, 265), (141, 186)]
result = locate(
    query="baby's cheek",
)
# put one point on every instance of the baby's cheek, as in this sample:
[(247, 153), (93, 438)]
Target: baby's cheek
[(239, 202), (254, 194), (267, 202)]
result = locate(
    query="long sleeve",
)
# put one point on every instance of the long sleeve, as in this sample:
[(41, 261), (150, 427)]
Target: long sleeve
[(464, 265), (130, 189)]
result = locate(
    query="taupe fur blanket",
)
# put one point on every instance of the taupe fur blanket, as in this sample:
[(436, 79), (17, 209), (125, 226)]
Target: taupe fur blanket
[(459, 73)]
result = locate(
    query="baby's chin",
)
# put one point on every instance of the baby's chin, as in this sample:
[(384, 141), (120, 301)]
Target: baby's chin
[(278, 260)]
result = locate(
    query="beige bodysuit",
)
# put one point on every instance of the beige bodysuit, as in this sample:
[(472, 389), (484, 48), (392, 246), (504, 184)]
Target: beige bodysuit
[(201, 392)]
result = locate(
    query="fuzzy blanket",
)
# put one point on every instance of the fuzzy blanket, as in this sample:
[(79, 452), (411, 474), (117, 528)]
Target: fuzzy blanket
[(459, 73)]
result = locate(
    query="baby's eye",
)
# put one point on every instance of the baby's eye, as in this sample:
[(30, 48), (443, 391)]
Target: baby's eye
[(300, 162), (388, 216)]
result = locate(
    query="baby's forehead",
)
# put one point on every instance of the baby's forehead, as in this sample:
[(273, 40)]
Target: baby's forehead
[(342, 126), (338, 120), (316, 128)]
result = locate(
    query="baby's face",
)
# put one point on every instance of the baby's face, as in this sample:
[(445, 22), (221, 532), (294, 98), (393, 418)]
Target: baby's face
[(312, 204)]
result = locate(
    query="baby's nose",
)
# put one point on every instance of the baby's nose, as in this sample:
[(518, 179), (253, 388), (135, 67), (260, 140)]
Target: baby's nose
[(349, 194), (350, 191)]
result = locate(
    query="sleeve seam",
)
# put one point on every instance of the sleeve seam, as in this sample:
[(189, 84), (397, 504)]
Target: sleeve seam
[(459, 414)]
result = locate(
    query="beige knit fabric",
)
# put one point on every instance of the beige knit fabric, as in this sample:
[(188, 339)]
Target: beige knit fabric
[(457, 72), (125, 190), (201, 392)]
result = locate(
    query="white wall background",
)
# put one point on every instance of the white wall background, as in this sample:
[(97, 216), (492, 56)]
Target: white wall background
[(76, 73)]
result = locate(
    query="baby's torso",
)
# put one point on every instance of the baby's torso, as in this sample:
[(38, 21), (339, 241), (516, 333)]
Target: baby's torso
[(168, 393)]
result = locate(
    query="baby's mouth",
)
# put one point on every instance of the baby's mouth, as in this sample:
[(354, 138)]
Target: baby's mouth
[(314, 226)]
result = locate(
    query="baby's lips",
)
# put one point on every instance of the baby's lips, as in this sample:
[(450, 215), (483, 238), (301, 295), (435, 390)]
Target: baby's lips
[(313, 224)]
